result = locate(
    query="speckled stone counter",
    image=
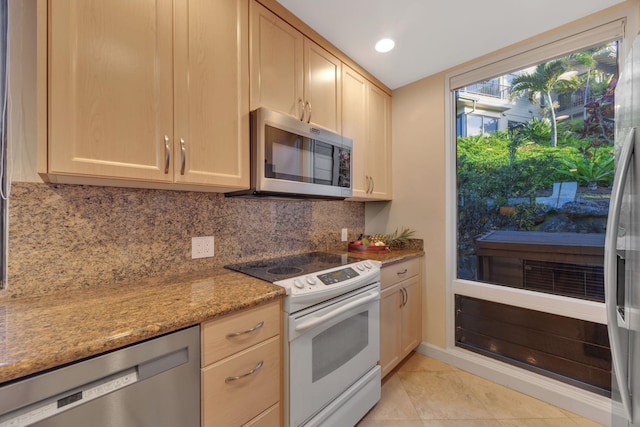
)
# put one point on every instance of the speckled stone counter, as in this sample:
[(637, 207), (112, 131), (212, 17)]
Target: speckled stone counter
[(390, 256), (39, 333)]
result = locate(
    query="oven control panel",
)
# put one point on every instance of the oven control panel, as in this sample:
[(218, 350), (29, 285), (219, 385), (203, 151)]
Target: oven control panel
[(337, 276), (304, 291)]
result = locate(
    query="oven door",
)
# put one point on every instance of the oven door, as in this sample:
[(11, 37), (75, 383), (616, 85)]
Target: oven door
[(331, 346)]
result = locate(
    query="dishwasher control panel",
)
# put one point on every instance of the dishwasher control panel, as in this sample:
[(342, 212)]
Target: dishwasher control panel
[(55, 405)]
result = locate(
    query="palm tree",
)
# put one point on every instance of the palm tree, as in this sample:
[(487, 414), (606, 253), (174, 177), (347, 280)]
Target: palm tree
[(541, 82)]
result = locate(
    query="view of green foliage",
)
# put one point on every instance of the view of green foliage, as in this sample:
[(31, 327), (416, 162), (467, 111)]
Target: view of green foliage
[(505, 166), (502, 173)]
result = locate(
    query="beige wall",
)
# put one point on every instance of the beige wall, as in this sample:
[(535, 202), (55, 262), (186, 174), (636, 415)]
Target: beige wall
[(419, 189)]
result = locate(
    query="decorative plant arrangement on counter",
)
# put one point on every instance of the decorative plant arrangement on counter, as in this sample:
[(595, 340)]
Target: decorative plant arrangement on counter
[(382, 242)]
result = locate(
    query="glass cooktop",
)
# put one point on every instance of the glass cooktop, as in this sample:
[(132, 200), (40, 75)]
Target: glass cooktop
[(275, 269)]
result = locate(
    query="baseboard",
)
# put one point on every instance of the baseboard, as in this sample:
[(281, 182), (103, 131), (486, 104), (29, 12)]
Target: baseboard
[(572, 399)]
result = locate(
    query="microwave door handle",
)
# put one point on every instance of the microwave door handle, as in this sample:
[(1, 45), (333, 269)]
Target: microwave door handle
[(610, 270), (337, 312)]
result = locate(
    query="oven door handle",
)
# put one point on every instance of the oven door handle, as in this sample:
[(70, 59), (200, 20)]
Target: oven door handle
[(337, 312)]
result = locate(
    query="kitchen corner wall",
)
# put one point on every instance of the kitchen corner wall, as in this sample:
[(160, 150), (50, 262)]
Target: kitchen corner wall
[(64, 237)]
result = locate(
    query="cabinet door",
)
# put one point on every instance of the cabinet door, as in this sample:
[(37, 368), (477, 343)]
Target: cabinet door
[(411, 315), (390, 328), (211, 93), (354, 124), (322, 87), (379, 143), (276, 63), (110, 88), (231, 402)]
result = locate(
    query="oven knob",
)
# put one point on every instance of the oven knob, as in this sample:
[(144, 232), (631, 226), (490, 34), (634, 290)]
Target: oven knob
[(311, 280), (298, 284), (368, 264), (360, 267)]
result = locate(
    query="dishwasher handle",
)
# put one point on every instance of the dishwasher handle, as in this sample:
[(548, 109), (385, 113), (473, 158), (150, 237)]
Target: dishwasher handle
[(163, 363)]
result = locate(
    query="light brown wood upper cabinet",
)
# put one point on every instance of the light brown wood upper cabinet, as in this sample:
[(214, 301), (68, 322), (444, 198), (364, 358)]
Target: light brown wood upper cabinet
[(366, 119), (292, 74), (145, 93)]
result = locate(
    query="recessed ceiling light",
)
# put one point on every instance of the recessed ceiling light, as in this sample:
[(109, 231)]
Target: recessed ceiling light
[(385, 45)]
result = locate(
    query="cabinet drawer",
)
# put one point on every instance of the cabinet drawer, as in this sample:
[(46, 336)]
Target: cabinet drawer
[(233, 403), (228, 335), (394, 273), (269, 418)]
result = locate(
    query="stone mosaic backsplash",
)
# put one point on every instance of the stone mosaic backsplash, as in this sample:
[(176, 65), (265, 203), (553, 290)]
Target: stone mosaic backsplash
[(69, 237)]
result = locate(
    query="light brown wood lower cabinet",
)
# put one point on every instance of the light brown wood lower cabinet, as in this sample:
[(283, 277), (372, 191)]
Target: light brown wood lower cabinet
[(400, 312), (269, 418), (242, 368)]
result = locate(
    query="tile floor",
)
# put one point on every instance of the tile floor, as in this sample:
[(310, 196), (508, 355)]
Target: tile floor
[(424, 392)]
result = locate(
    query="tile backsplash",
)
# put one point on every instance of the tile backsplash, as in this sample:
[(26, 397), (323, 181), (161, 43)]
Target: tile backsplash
[(68, 237)]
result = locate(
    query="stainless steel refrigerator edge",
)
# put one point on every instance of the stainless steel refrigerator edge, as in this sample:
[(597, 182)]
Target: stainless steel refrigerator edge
[(622, 249)]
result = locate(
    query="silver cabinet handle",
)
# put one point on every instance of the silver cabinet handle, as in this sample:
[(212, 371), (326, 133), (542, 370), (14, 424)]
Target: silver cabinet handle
[(405, 297), (184, 156), (368, 185), (302, 109), (167, 154), (248, 331), (373, 185), (308, 105), (400, 273), (246, 374)]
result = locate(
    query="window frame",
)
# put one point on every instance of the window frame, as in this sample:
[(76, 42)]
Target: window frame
[(588, 32)]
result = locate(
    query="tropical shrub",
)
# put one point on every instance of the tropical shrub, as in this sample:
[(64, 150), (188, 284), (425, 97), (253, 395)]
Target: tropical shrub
[(595, 166)]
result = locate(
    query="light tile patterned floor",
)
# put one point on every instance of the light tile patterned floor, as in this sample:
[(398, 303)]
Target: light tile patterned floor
[(425, 392)]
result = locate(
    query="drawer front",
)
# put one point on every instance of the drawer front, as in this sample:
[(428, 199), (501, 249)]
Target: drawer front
[(395, 273), (233, 403), (269, 418), (223, 337)]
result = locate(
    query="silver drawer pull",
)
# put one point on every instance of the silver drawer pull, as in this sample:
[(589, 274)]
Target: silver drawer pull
[(248, 331), (400, 273), (253, 371)]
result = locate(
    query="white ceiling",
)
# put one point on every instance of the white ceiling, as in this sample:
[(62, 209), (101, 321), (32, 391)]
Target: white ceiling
[(432, 35)]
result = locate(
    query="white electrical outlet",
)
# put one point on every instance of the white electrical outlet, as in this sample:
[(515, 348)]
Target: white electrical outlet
[(202, 247), (344, 235)]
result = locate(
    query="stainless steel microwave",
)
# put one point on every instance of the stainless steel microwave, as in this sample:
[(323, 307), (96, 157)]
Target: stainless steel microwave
[(291, 158)]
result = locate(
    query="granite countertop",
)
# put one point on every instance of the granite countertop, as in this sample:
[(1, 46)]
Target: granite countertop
[(39, 333), (389, 256)]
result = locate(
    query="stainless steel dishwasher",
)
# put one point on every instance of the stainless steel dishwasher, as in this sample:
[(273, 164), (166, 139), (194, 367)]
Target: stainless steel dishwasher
[(151, 384)]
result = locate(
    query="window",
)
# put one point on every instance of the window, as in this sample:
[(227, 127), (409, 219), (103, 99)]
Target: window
[(514, 185), (513, 179), (480, 125)]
